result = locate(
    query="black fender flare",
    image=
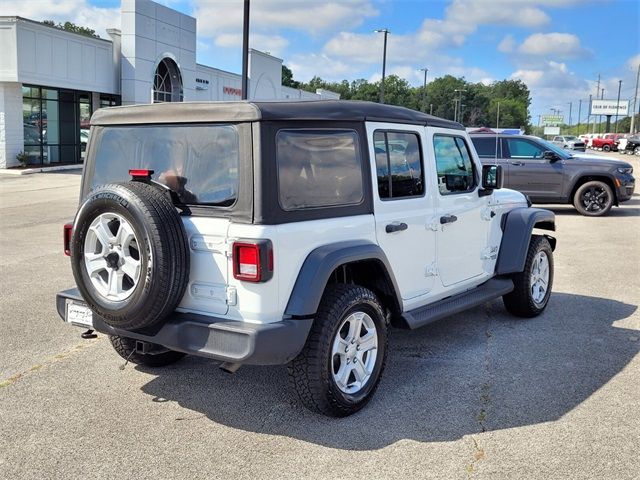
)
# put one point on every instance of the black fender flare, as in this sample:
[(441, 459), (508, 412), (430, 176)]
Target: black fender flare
[(517, 227), (320, 264)]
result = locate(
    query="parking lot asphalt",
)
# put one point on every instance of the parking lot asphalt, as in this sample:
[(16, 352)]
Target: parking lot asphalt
[(480, 395)]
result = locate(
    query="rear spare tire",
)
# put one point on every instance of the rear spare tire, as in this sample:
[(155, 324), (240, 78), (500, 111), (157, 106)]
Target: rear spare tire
[(130, 254)]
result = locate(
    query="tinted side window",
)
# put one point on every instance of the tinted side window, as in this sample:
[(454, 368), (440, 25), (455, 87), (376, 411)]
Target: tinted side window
[(455, 168), (398, 164), (521, 148), (486, 147), (318, 168)]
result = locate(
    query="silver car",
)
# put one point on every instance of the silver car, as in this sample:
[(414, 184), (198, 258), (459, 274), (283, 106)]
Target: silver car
[(569, 142)]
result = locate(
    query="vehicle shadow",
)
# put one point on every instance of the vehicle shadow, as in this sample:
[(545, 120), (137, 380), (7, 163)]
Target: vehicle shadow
[(626, 209), (478, 371)]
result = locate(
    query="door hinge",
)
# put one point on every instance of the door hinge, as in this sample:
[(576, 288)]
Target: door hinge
[(232, 296), (488, 214), (431, 271), (433, 225), (489, 253)]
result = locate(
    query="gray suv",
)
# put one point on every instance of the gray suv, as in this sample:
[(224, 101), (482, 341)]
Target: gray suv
[(569, 142), (550, 174)]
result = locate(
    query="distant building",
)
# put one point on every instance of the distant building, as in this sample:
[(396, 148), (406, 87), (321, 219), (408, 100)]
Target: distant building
[(51, 81)]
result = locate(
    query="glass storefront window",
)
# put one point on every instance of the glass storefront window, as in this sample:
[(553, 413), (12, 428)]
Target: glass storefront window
[(54, 121)]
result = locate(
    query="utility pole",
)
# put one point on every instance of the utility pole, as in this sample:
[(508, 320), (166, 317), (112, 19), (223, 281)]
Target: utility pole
[(600, 117), (594, 117), (570, 108), (498, 118), (459, 92), (635, 100), (588, 116), (245, 52), (384, 61), (618, 104), (579, 112), (424, 88), (431, 109)]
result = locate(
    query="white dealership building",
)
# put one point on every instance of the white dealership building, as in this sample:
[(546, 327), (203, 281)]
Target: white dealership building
[(51, 80)]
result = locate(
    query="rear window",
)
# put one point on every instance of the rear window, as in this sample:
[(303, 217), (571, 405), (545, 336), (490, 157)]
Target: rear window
[(487, 147), (198, 162), (318, 168)]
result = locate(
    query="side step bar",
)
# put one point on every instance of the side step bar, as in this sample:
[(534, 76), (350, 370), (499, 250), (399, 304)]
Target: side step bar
[(489, 290)]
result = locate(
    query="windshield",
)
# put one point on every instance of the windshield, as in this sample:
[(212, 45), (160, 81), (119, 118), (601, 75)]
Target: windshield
[(198, 162), (554, 148)]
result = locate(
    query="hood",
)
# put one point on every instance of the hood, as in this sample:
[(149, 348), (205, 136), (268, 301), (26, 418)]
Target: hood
[(597, 160)]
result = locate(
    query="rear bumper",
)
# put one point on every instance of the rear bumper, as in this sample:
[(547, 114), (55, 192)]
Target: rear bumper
[(211, 337)]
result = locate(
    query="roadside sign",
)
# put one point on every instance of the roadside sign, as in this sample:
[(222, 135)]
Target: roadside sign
[(552, 130), (608, 107), (552, 120)]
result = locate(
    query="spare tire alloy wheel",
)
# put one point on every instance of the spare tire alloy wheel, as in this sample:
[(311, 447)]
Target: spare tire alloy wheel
[(112, 256), (130, 255)]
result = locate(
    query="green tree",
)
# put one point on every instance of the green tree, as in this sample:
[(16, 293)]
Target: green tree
[(72, 27), (287, 78)]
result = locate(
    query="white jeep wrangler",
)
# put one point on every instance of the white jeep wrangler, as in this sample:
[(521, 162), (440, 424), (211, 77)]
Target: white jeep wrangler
[(273, 232)]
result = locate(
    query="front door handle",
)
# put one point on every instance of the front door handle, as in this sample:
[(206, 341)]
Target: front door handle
[(517, 164), (396, 227), (448, 219)]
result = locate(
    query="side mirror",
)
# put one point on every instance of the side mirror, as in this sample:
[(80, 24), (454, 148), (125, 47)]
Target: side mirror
[(551, 156), (491, 177)]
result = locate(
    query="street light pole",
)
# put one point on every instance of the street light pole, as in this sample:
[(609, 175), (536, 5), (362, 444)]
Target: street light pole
[(618, 104), (459, 102), (384, 61), (570, 108), (424, 89), (579, 113)]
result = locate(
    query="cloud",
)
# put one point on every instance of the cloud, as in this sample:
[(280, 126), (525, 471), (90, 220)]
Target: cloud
[(633, 62), (553, 45), (79, 12), (223, 17), (507, 45), (274, 44)]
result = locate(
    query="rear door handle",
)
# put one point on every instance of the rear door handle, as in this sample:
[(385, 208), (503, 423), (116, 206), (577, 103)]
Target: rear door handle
[(396, 227), (517, 164), (448, 219)]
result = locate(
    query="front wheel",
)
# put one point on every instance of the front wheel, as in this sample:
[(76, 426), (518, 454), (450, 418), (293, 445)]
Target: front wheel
[(339, 369), (593, 199), (636, 151), (532, 287), (606, 148)]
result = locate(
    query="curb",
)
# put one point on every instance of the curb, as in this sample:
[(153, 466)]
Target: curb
[(29, 171)]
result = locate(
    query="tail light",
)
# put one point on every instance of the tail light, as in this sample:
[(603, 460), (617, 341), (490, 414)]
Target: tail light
[(66, 238), (253, 260)]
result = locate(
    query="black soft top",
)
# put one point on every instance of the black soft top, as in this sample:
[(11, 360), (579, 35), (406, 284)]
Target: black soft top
[(248, 111)]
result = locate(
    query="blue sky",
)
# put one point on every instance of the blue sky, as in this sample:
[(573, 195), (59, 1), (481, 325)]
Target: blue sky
[(557, 47)]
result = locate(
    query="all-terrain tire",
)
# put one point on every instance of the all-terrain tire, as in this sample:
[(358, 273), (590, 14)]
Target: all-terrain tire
[(311, 371), (160, 245), (593, 199), (125, 347), (521, 301)]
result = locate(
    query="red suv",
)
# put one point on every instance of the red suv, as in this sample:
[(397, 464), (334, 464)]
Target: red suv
[(608, 142)]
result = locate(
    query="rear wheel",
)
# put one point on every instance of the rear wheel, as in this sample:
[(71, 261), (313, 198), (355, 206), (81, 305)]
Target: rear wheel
[(532, 287), (636, 151), (606, 148), (126, 348), (339, 369), (593, 199)]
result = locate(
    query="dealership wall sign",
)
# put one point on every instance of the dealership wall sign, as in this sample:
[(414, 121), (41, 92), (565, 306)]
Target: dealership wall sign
[(610, 107), (232, 91)]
